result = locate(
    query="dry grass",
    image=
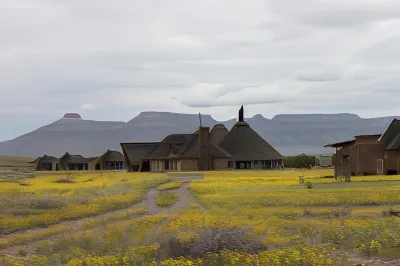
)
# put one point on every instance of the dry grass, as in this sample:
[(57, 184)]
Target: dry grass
[(15, 168)]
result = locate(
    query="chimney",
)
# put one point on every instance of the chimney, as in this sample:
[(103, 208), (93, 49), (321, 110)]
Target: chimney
[(241, 115), (203, 141)]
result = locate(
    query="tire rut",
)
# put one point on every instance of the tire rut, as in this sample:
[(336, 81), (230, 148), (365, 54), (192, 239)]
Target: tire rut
[(185, 197)]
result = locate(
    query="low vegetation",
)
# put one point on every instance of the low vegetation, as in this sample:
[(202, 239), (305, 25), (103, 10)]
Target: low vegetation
[(235, 218), (170, 185), (44, 201), (15, 168), (166, 199)]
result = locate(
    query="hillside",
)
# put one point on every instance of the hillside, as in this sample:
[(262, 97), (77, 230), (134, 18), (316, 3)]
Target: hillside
[(290, 134)]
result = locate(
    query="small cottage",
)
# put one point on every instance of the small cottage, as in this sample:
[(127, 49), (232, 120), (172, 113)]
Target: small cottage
[(369, 154)]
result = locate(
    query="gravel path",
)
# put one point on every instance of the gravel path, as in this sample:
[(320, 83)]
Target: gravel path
[(185, 197)]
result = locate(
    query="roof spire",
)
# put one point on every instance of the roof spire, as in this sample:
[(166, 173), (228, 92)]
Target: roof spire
[(200, 120), (241, 116)]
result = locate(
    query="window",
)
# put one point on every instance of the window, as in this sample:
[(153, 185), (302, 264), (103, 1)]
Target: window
[(230, 164)]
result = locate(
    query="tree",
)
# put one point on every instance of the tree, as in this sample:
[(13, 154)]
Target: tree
[(299, 161)]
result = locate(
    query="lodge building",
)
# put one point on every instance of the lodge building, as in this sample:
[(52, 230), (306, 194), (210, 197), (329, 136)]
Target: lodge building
[(215, 149), (110, 160)]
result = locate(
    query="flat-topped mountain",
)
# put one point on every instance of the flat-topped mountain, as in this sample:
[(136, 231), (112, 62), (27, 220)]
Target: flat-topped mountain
[(288, 133)]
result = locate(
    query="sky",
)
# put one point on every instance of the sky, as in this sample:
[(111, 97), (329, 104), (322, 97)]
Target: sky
[(111, 60)]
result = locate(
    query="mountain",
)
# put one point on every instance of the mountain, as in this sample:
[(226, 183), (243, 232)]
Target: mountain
[(288, 133)]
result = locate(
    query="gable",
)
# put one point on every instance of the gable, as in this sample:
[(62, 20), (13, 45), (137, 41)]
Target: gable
[(135, 152)]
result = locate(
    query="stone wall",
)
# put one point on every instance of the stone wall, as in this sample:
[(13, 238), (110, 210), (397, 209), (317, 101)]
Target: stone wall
[(220, 163)]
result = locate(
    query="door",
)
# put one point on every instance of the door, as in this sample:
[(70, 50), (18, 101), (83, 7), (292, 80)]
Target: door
[(346, 166), (379, 166)]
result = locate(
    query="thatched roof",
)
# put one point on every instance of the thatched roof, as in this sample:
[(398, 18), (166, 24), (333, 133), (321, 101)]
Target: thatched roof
[(135, 152), (218, 134), (244, 144), (183, 146), (45, 159), (176, 145), (109, 155), (69, 158), (390, 138)]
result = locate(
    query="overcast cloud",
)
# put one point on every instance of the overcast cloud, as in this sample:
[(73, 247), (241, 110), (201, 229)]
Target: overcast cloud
[(110, 60)]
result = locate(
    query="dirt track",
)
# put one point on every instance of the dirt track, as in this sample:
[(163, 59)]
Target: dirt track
[(78, 225)]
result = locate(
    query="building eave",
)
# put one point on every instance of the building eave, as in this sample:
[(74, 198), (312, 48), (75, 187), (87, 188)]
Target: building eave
[(338, 144)]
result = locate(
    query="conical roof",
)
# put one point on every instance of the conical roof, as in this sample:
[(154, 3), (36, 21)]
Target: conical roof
[(244, 144)]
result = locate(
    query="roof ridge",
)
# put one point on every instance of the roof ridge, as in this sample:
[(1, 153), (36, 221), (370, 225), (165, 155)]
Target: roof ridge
[(221, 149)]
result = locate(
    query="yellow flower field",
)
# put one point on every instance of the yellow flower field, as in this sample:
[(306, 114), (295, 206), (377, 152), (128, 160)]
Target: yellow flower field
[(41, 202), (231, 218)]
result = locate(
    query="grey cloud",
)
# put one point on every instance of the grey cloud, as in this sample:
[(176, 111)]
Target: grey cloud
[(216, 103), (128, 56), (317, 76), (337, 14)]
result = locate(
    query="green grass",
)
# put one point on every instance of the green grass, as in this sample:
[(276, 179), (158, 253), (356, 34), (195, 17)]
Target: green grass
[(165, 199)]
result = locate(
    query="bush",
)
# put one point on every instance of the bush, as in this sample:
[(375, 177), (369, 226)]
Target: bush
[(22, 253), (308, 185), (299, 161)]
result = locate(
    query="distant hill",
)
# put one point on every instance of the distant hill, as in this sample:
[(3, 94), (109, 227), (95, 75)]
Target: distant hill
[(289, 134)]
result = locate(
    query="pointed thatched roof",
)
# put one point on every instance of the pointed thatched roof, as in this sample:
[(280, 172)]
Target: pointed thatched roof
[(244, 144)]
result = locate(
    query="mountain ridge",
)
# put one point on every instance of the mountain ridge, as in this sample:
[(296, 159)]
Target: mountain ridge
[(289, 133)]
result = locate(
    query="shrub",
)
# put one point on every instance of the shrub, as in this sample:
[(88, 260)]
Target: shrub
[(22, 253), (371, 248), (308, 185)]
